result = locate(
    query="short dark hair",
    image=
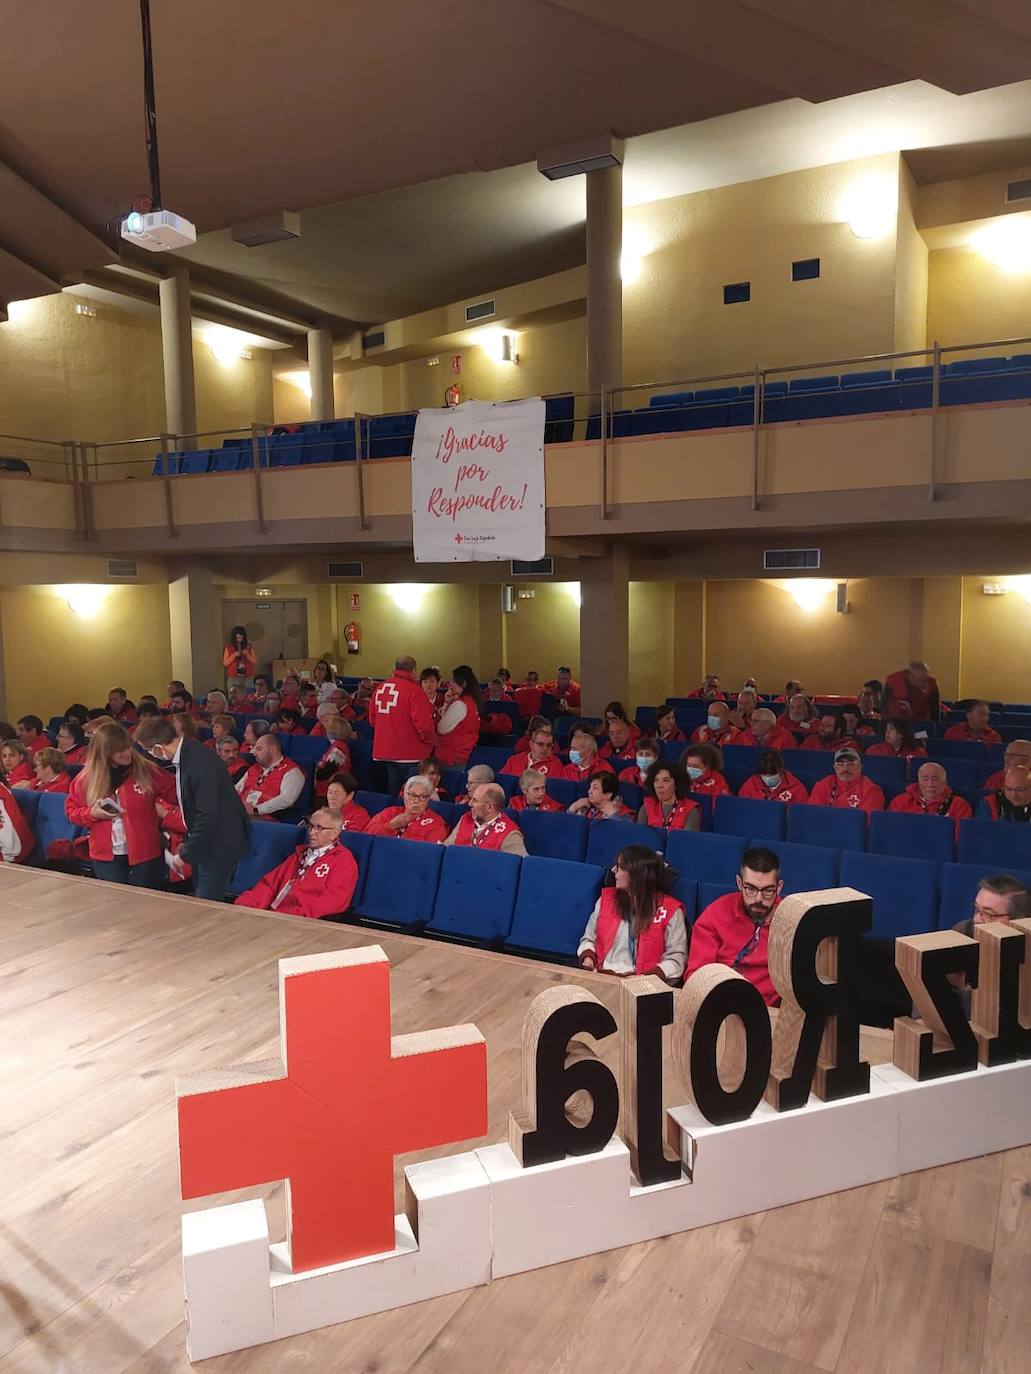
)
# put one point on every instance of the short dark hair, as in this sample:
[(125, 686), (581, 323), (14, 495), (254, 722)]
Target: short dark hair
[(77, 711), (564, 669), (770, 761), (31, 723), (345, 780), (147, 708), (760, 860), (1005, 885), (430, 672), (681, 781), (608, 782), (289, 713), (155, 730)]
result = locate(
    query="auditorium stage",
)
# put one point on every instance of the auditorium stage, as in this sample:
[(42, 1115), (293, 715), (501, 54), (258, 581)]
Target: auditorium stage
[(108, 995)]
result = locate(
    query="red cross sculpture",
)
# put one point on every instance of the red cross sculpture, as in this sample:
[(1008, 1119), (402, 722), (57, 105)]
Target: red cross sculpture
[(330, 1116)]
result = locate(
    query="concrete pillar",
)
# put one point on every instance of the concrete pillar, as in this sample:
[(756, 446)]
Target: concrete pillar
[(320, 373), (689, 632), (195, 623), (177, 355), (604, 630), (604, 285)]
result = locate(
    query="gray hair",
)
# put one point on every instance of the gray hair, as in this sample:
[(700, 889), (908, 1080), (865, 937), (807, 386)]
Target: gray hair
[(530, 779), (329, 817), (764, 713), (419, 781), (222, 698), (479, 772)]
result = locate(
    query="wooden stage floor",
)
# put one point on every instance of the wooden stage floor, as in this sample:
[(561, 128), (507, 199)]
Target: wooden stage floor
[(108, 994)]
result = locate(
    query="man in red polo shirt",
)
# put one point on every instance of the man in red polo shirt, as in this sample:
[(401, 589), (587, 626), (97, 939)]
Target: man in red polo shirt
[(976, 727), (764, 732), (911, 694), (717, 728), (735, 929), (565, 689), (485, 825), (402, 724), (931, 795), (846, 787), (540, 755), (583, 758)]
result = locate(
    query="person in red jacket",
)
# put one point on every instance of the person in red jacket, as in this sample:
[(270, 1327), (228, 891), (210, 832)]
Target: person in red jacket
[(485, 825), (646, 752), (533, 794), (402, 723), (704, 764), (976, 727), (16, 762), (238, 658), (16, 838), (495, 722), (708, 691), (1017, 755), (772, 781), (603, 802), (529, 695), (228, 750), (337, 758), (221, 725), (540, 755), (636, 926), (667, 803), (30, 732), (273, 783), (854, 726), (846, 787), (583, 758), (458, 730), (717, 728), (51, 774), (340, 798), (911, 694), (413, 820), (239, 702), (119, 707), (1012, 802), (931, 795), (566, 690), (71, 740), (800, 716), (735, 929), (828, 737), (899, 742), (764, 732), (667, 731), (318, 879), (114, 798), (622, 734)]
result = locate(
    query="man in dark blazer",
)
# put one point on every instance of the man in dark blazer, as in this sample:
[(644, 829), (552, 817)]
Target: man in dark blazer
[(218, 830)]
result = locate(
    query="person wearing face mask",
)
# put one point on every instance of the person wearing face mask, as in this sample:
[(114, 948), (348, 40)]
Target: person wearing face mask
[(667, 803), (735, 929), (765, 732), (931, 795), (583, 758), (717, 728), (667, 731), (621, 731), (846, 787), (704, 765), (636, 926), (603, 802), (540, 755), (646, 752), (773, 782), (533, 794), (1012, 802)]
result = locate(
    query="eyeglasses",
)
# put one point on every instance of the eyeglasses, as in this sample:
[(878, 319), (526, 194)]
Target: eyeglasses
[(763, 894), (312, 826)]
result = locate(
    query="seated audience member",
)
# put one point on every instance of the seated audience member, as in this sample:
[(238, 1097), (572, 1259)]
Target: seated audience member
[(362, 696), (565, 690), (533, 793), (272, 705), (479, 772), (495, 722), (290, 691), (308, 702), (899, 742), (272, 783), (252, 732), (17, 764), (1012, 802), (869, 703), (175, 688), (667, 731), (846, 787), (78, 713), (828, 737), (532, 679), (16, 838), (94, 720), (431, 770), (976, 727), (228, 750), (1017, 755), (931, 795), (717, 728), (318, 879), (765, 732), (30, 732), (239, 702), (322, 680), (146, 710), (735, 929), (216, 704), (534, 724), (853, 726), (148, 699), (288, 721), (458, 730), (744, 708), (183, 704), (621, 733), (413, 820), (792, 688), (800, 717), (636, 926), (772, 782), (667, 804), (529, 695), (646, 752), (709, 690), (51, 774), (704, 765), (750, 684), (7, 730), (485, 825), (911, 694), (185, 725), (999, 897), (540, 755), (221, 725), (506, 677), (262, 687), (603, 802), (340, 798), (119, 707), (337, 758), (71, 740), (583, 758)]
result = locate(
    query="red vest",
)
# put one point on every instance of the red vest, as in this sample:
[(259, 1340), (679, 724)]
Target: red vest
[(429, 827), (492, 836), (548, 804), (139, 817), (987, 735), (789, 789), (677, 818), (911, 802), (268, 786), (456, 746), (651, 943)]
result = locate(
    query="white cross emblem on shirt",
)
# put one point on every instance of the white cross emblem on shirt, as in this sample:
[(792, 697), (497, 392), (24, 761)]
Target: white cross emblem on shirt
[(322, 870), (386, 697)]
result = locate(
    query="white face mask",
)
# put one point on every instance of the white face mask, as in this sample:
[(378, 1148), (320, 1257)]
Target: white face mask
[(574, 756), (771, 780), (714, 723)]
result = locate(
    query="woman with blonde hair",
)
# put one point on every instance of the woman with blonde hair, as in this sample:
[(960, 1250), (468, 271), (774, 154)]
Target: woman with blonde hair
[(114, 799)]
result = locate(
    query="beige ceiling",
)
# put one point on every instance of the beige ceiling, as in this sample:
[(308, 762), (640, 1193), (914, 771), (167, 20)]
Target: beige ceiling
[(263, 106)]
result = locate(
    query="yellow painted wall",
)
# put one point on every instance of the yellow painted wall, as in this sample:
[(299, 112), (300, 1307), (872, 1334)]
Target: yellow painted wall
[(969, 299), (996, 659), (651, 619), (442, 629), (544, 633)]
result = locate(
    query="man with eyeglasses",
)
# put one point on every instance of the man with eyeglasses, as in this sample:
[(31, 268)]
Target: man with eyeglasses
[(318, 879), (735, 929)]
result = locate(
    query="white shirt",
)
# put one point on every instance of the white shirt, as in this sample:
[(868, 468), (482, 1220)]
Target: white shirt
[(10, 844), (290, 788), (452, 717), (618, 960)]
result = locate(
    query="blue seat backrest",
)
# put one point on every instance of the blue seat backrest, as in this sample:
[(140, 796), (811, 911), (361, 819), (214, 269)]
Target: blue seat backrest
[(956, 749), (914, 374), (449, 811), (271, 842), (819, 762), (672, 398), (51, 824), (861, 379), (973, 367), (606, 838), (803, 867), (686, 892), (495, 758), (553, 902), (377, 801), (304, 749), (712, 892), (171, 461), (830, 826), (28, 803), (707, 857), (904, 892), (912, 837), (360, 846), (401, 882), (742, 756), (959, 884), (804, 384), (1000, 845), (562, 789), (960, 772), (553, 835), (558, 419), (880, 768), (476, 894), (361, 761), (196, 461), (750, 816)]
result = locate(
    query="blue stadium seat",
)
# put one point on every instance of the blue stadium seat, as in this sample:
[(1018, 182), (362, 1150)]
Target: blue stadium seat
[(495, 758), (960, 772), (171, 461), (741, 756), (401, 882), (449, 811), (830, 826), (751, 816), (706, 857), (361, 761), (271, 842), (606, 838), (301, 809), (686, 892), (360, 846), (561, 789), (51, 824), (196, 461), (880, 768), (959, 884), (554, 835), (806, 384), (998, 845), (672, 398), (912, 837), (904, 892), (28, 803), (712, 892), (818, 762), (944, 749), (972, 367), (803, 867), (553, 902), (285, 450), (377, 801), (303, 748), (865, 379), (476, 894)]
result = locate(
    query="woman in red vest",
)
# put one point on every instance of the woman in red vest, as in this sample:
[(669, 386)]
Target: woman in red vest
[(899, 742), (238, 658), (704, 765), (459, 725), (340, 798), (667, 804), (17, 766), (636, 926)]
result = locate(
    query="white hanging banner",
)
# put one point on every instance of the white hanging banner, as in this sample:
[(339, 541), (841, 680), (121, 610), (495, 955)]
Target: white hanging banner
[(478, 482)]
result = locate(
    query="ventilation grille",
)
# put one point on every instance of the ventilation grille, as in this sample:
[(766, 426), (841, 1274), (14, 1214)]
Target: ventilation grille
[(783, 560), (541, 567), (1018, 190), (345, 572), (482, 310), (122, 567), (374, 340)]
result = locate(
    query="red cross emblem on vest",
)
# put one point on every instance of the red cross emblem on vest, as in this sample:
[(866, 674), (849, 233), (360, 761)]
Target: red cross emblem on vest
[(331, 1114)]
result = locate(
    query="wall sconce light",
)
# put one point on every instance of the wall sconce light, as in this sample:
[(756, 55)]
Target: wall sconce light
[(870, 206), (1006, 243), (84, 599), (500, 344), (407, 596), (809, 593)]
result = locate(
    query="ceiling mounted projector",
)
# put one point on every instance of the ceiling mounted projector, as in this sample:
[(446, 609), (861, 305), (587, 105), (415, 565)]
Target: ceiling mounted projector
[(160, 231)]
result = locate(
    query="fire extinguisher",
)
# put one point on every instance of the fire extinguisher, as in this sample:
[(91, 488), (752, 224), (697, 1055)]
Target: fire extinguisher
[(453, 395), (353, 637)]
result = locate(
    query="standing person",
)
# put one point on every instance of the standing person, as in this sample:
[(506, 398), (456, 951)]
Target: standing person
[(458, 729), (16, 839), (323, 681), (911, 694), (402, 724), (218, 831), (115, 798), (238, 658), (636, 926)]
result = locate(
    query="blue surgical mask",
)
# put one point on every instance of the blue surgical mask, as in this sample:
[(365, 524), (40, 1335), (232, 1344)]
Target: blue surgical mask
[(644, 762), (714, 723), (771, 779), (694, 772), (574, 756)]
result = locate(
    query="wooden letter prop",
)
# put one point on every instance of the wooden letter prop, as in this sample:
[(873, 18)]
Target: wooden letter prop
[(715, 997), (542, 1132), (1000, 1007), (814, 941), (944, 1044), (330, 1116), (645, 1006)]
